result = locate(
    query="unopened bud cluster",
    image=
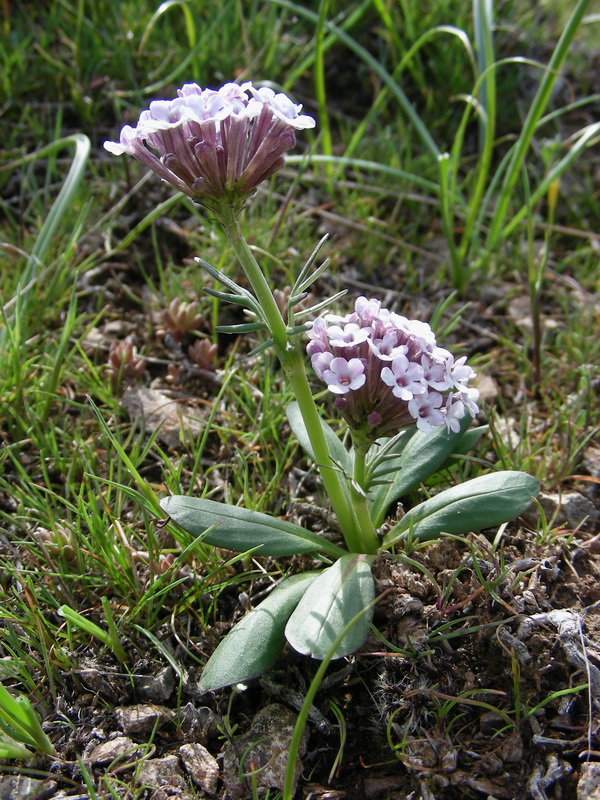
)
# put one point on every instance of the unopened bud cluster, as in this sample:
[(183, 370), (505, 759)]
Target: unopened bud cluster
[(388, 373)]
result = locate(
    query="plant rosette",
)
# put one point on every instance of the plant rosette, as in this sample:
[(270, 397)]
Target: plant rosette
[(395, 361)]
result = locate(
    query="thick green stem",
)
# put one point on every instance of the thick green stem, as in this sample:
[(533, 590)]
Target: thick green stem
[(292, 362), (369, 543)]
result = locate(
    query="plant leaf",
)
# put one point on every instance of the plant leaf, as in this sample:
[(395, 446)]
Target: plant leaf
[(11, 749), (419, 458), (480, 503), (252, 646), (337, 451), (242, 529), (466, 442), (329, 604)]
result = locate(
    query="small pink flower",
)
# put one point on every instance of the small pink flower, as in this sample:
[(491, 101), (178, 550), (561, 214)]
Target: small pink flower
[(321, 362), (350, 334), (461, 373), (435, 374), (387, 348), (455, 411), (405, 377), (344, 376), (425, 409)]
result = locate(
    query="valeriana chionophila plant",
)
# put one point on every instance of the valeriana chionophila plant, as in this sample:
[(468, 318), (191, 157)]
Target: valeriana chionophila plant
[(406, 400)]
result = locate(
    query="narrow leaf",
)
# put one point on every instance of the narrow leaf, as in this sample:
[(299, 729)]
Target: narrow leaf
[(323, 304), (253, 645), (10, 749), (242, 529), (483, 502), (330, 603), (222, 278), (466, 443), (304, 272), (242, 327), (228, 297)]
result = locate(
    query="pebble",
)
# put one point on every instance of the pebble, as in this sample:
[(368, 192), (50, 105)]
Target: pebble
[(266, 746), (105, 752), (16, 787), (569, 508), (588, 786), (162, 773), (142, 717), (155, 688), (201, 766)]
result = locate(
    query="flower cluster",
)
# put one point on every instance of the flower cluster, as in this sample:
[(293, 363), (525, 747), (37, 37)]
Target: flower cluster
[(215, 144), (388, 373)]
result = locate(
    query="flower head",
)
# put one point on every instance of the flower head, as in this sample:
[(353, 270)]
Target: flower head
[(215, 145), (388, 373)]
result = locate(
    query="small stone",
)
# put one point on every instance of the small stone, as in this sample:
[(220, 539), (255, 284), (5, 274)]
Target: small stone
[(381, 788), (18, 787), (569, 508), (142, 718), (155, 411), (94, 340), (202, 767), (196, 724), (591, 460), (161, 773), (588, 786), (116, 327), (487, 388), (507, 430), (105, 752), (156, 688), (266, 746)]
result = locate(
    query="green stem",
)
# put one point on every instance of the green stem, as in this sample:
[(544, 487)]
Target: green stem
[(369, 543), (292, 362), (277, 328)]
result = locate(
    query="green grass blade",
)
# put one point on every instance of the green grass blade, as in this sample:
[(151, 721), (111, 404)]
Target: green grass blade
[(585, 140), (534, 114), (320, 90), (379, 70), (371, 166)]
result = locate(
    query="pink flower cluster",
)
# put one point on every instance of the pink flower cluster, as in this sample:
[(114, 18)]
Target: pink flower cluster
[(214, 143), (388, 373)]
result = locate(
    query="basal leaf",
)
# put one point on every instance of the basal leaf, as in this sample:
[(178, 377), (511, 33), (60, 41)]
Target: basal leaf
[(241, 529), (337, 451), (420, 457), (467, 442), (480, 503), (252, 646), (329, 604)]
